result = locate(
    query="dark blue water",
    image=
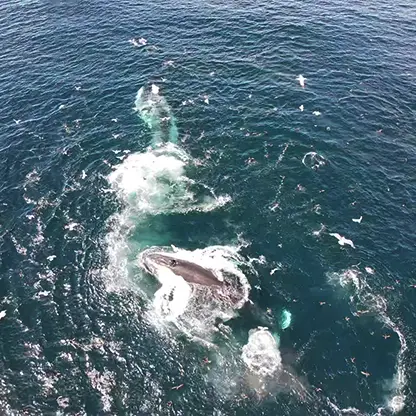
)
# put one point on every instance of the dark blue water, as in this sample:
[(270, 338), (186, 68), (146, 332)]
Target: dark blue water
[(76, 335)]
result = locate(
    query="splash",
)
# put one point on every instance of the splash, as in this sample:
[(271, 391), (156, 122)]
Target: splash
[(155, 182), (266, 373), (195, 309), (261, 353), (172, 298)]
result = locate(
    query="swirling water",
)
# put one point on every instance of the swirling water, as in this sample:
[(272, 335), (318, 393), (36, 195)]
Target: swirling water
[(262, 173)]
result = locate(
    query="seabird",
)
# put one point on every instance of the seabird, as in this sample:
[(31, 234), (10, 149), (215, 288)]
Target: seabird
[(342, 240), (301, 80)]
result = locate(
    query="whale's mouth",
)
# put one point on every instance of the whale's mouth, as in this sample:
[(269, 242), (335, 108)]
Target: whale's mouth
[(148, 263), (151, 261)]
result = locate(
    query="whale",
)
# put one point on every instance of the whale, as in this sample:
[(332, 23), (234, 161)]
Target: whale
[(156, 114), (191, 272), (155, 261)]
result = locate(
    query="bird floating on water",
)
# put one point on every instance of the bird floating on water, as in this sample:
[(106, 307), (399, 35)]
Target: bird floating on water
[(134, 42), (358, 219), (301, 80)]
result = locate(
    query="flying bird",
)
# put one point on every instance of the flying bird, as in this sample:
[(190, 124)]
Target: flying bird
[(342, 240)]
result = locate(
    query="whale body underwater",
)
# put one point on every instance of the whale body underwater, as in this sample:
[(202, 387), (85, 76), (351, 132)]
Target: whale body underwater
[(191, 272)]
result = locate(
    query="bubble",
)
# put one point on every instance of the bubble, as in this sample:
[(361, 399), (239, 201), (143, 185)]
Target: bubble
[(313, 160), (397, 403)]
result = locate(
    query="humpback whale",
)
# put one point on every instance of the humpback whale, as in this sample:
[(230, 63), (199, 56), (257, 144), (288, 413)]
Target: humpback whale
[(189, 271), (228, 291)]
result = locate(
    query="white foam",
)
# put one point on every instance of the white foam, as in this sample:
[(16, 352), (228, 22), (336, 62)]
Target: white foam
[(72, 226), (104, 383), (39, 237), (397, 403), (313, 160), (195, 311), (155, 182), (172, 298), (19, 248), (378, 305), (261, 353), (134, 42), (319, 232), (150, 177), (282, 155)]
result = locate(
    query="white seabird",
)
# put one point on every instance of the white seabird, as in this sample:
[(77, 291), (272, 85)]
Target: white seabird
[(301, 80), (342, 240)]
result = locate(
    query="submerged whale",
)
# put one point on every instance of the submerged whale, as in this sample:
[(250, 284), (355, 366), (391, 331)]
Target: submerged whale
[(191, 272), (156, 113)]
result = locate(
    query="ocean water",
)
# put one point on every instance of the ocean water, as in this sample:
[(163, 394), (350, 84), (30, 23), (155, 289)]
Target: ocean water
[(184, 125)]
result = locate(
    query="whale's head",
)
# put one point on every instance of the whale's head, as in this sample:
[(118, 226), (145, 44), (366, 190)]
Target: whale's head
[(154, 262)]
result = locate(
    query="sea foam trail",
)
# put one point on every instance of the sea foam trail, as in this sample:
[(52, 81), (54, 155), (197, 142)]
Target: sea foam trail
[(155, 182), (149, 185), (363, 294)]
